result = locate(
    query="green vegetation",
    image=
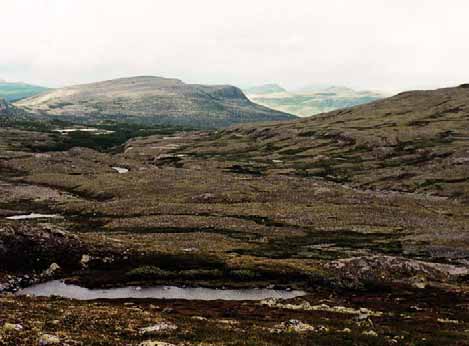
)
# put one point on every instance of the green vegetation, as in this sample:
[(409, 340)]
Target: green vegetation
[(119, 133)]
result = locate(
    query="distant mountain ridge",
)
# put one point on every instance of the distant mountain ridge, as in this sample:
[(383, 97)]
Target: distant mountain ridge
[(13, 91), (152, 100), (311, 100), (265, 89)]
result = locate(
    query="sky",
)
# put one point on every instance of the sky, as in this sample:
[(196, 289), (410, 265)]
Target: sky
[(366, 44)]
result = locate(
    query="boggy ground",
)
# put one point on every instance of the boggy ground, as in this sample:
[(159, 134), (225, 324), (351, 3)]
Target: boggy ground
[(185, 215)]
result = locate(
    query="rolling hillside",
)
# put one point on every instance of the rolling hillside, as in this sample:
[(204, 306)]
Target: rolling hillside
[(414, 141)]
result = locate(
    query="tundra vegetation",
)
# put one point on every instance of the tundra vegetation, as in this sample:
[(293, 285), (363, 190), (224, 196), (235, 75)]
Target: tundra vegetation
[(366, 209)]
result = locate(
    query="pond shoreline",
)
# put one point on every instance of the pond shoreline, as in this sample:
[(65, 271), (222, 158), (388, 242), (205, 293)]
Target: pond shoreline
[(62, 289)]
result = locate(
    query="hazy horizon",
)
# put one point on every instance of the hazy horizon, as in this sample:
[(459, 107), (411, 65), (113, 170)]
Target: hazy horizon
[(373, 45)]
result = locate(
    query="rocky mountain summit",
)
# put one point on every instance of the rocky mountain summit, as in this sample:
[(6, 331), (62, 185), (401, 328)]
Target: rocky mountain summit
[(151, 100)]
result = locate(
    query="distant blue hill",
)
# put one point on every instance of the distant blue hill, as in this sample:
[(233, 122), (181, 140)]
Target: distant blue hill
[(16, 91)]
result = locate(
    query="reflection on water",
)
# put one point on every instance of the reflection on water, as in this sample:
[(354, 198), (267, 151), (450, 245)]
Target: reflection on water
[(59, 288), (33, 216), (120, 170), (90, 130)]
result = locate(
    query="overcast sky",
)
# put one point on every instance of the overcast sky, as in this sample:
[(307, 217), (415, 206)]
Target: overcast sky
[(369, 44)]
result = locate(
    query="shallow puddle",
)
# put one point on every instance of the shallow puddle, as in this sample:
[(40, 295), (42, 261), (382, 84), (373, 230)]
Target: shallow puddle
[(59, 288), (120, 170), (90, 130), (33, 216)]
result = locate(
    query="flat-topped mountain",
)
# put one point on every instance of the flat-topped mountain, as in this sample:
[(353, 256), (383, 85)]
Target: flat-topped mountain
[(151, 100)]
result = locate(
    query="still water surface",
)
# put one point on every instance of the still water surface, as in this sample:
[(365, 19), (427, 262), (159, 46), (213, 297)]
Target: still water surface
[(59, 288)]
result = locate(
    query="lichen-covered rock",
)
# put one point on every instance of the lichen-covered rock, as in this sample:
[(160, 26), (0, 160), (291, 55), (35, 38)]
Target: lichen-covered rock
[(47, 339), (159, 328), (306, 306), (294, 326), (12, 327), (365, 271), (53, 269), (27, 248), (85, 260), (155, 343)]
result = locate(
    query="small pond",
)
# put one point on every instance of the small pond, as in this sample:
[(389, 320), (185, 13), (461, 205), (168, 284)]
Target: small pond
[(89, 130), (34, 216), (120, 170), (59, 288)]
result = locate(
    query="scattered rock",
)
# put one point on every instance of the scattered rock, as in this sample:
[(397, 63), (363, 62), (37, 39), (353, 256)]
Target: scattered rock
[(38, 247), (360, 272), (294, 326), (199, 318), (363, 314), (228, 322), (12, 327), (47, 339), (370, 333), (190, 249), (419, 281), (445, 320), (306, 306), (85, 260), (155, 343), (461, 160), (323, 329), (205, 197), (158, 328), (53, 269)]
